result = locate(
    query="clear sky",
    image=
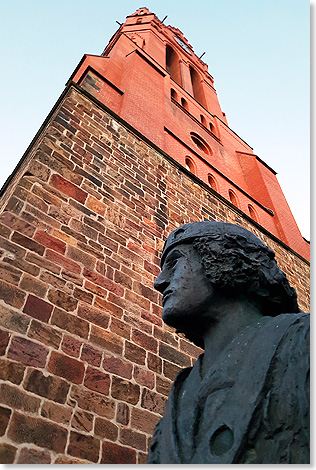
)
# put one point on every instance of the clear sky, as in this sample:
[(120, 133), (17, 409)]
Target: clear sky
[(256, 50)]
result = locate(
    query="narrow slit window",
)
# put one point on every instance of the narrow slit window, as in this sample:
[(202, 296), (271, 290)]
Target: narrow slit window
[(190, 165), (173, 65), (184, 104), (233, 198), (174, 94), (212, 182), (197, 87), (203, 120), (252, 213)]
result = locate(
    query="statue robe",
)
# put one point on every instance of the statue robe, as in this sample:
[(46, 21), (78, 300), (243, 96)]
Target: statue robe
[(252, 406)]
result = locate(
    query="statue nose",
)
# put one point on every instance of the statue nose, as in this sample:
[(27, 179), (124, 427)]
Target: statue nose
[(160, 283)]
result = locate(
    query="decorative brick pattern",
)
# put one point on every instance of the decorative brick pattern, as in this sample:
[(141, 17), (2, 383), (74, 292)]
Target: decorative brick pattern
[(86, 362)]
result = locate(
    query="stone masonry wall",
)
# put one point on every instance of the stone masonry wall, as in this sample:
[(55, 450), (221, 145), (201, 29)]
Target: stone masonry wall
[(86, 363)]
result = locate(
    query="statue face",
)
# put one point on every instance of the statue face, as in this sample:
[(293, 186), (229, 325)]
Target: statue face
[(186, 291)]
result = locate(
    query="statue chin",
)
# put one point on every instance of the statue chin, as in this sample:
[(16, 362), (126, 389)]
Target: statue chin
[(172, 317), (175, 319)]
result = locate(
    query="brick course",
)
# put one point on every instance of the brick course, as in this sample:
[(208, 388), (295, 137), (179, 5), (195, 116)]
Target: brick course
[(86, 361)]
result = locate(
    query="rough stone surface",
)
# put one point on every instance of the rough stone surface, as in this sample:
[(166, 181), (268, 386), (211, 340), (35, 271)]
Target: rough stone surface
[(33, 456), (38, 308), (66, 367), (106, 429), (47, 386), (84, 447), (27, 352), (5, 414), (37, 431), (7, 453), (117, 454)]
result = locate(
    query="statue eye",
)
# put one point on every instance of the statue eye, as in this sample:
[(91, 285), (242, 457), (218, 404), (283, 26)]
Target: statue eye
[(172, 262)]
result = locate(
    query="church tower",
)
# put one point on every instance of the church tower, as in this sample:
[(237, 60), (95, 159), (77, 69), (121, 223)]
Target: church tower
[(150, 76), (136, 145)]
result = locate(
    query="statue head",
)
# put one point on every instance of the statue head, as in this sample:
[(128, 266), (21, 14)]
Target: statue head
[(230, 262)]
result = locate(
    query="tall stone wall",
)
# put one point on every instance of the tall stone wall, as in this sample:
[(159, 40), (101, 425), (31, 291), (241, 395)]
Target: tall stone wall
[(86, 363)]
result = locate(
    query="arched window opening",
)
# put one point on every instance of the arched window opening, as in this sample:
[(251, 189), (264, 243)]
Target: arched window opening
[(139, 20), (203, 120), (233, 198), (184, 104), (197, 87), (173, 65), (212, 182), (201, 143), (212, 128), (190, 165), (252, 213), (174, 94)]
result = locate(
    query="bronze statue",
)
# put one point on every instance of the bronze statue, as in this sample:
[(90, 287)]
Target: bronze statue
[(246, 399)]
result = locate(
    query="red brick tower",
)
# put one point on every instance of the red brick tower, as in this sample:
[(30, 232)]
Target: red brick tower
[(150, 76), (135, 146)]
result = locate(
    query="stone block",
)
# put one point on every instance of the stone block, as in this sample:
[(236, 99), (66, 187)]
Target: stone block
[(124, 390), (7, 453), (117, 454), (47, 386), (5, 414), (34, 456), (11, 371), (51, 242), (27, 352), (66, 367), (38, 308), (96, 380), (117, 366), (84, 447), (37, 431), (68, 188), (105, 429)]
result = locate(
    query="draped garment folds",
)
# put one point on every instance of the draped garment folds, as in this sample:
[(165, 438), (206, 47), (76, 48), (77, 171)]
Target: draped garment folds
[(252, 406)]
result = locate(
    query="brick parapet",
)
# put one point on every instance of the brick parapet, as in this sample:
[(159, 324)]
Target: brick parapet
[(86, 363)]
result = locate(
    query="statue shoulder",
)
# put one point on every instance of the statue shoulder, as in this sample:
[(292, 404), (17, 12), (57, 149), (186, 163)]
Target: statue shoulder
[(280, 426), (289, 401)]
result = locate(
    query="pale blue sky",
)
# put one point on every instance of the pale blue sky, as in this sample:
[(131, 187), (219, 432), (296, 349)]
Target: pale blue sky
[(256, 50)]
